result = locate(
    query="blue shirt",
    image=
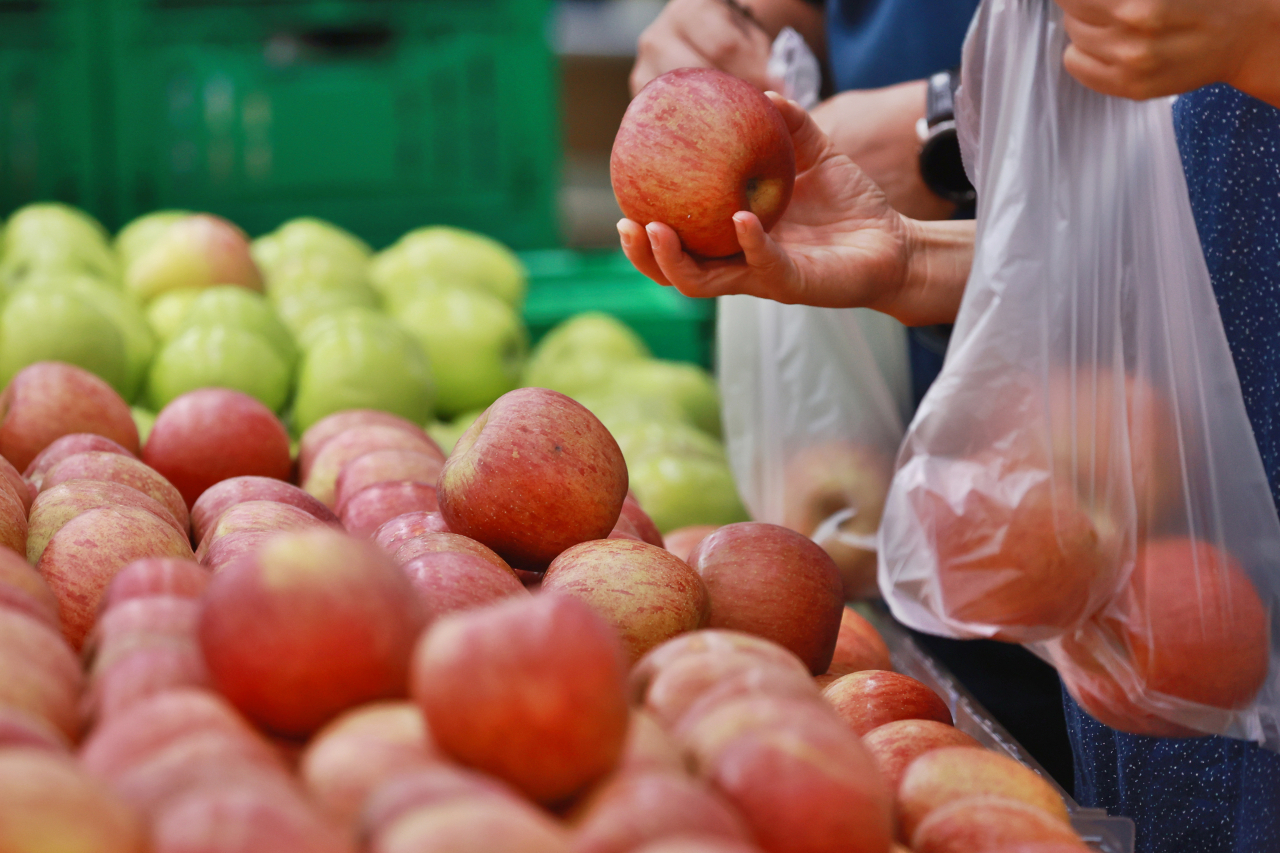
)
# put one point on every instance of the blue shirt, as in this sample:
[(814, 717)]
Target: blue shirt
[(1212, 794), (874, 43)]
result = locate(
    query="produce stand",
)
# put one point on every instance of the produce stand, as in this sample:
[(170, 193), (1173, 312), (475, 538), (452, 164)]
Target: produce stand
[(1100, 831)]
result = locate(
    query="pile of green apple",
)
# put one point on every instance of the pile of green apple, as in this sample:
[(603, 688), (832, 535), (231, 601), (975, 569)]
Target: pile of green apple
[(310, 320)]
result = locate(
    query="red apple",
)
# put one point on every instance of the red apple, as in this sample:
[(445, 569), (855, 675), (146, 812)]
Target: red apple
[(873, 697), (992, 822), (528, 690), (648, 747), (255, 517), (125, 470), (319, 433), (197, 250), (48, 803), (705, 737), (699, 845), (475, 825), (22, 589), (858, 646), (39, 673), (168, 576), (896, 744), (12, 481), (87, 552), (382, 466), (321, 479), (706, 640), (143, 672), (629, 811), (687, 683), (233, 818), (535, 474), (768, 580), (432, 543), (55, 506), (451, 581), (695, 146), (138, 622), (640, 520), (312, 623), (423, 787), (360, 749), (218, 498), (14, 527), (20, 728), (212, 434), (940, 776), (371, 507), (69, 445), (49, 399), (682, 540), (394, 533), (648, 594)]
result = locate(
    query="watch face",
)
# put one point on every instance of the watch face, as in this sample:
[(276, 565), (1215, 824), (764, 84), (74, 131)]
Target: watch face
[(942, 167)]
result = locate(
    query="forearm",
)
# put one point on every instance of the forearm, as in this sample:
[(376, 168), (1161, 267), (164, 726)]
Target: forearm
[(1259, 75), (939, 257)]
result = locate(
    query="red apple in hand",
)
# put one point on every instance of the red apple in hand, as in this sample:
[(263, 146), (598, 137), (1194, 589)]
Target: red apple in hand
[(697, 145)]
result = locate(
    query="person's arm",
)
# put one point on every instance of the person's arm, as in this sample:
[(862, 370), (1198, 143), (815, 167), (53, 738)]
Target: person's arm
[(716, 34), (839, 244), (1154, 48)]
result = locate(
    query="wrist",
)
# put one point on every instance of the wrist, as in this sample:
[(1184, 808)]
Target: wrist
[(1259, 71), (937, 259)]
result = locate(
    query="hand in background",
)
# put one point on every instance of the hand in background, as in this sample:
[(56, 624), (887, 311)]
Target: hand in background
[(702, 34), (876, 129), (1150, 48)]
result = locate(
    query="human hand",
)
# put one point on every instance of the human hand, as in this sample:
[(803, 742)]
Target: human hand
[(839, 243), (1151, 48), (876, 129), (703, 34)]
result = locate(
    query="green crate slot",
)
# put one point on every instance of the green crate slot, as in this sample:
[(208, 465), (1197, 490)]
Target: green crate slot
[(563, 283)]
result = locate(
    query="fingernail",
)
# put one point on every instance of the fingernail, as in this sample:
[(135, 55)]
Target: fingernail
[(623, 235)]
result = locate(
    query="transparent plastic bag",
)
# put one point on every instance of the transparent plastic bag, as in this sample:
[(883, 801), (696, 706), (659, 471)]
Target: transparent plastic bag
[(1082, 477), (813, 402)]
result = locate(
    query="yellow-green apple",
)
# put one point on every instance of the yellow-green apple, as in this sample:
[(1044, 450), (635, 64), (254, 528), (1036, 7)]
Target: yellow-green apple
[(648, 594), (374, 505), (475, 342), (474, 825), (212, 434), (394, 533), (48, 400), (226, 305), (222, 356), (697, 145), (768, 580), (125, 470), (705, 640), (221, 496), (940, 776), (305, 236), (872, 697), (319, 433), (681, 489), (581, 353), (84, 555), (167, 312), (200, 250), (138, 233), (992, 822), (311, 623), (302, 301), (449, 581), (630, 810), (144, 419), (69, 445), (1192, 624), (20, 728), (896, 744), (689, 386), (447, 433), (834, 492), (360, 358), (54, 324), (319, 478), (22, 589), (859, 646), (53, 236), (640, 520), (169, 576), (244, 818), (57, 505), (39, 673), (360, 749), (48, 802), (536, 474), (454, 256), (529, 690), (682, 540), (423, 787), (383, 466), (694, 684), (1018, 558)]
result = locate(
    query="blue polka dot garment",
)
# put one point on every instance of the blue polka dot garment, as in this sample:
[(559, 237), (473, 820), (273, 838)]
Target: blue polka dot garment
[(1212, 795)]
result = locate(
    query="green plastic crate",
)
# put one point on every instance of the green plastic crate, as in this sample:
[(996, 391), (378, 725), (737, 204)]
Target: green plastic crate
[(381, 116), (563, 283), (51, 144)]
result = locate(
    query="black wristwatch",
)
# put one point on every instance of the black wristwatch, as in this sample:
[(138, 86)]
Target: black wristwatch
[(940, 163)]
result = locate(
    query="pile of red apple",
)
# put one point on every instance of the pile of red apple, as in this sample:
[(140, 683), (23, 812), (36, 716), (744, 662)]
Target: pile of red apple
[(407, 652)]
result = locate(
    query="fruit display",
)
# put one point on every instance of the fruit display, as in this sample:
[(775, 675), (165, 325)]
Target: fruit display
[(212, 650)]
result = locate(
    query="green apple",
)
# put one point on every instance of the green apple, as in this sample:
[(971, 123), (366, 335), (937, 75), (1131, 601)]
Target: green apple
[(475, 342), (447, 433), (138, 235), (362, 364), (58, 324), (223, 356), (453, 256), (308, 237), (581, 353), (299, 309), (235, 306), (139, 340), (688, 385), (678, 490), (370, 320), (298, 273), (167, 312), (619, 410), (200, 250), (144, 420), (399, 293), (54, 237), (639, 439)]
